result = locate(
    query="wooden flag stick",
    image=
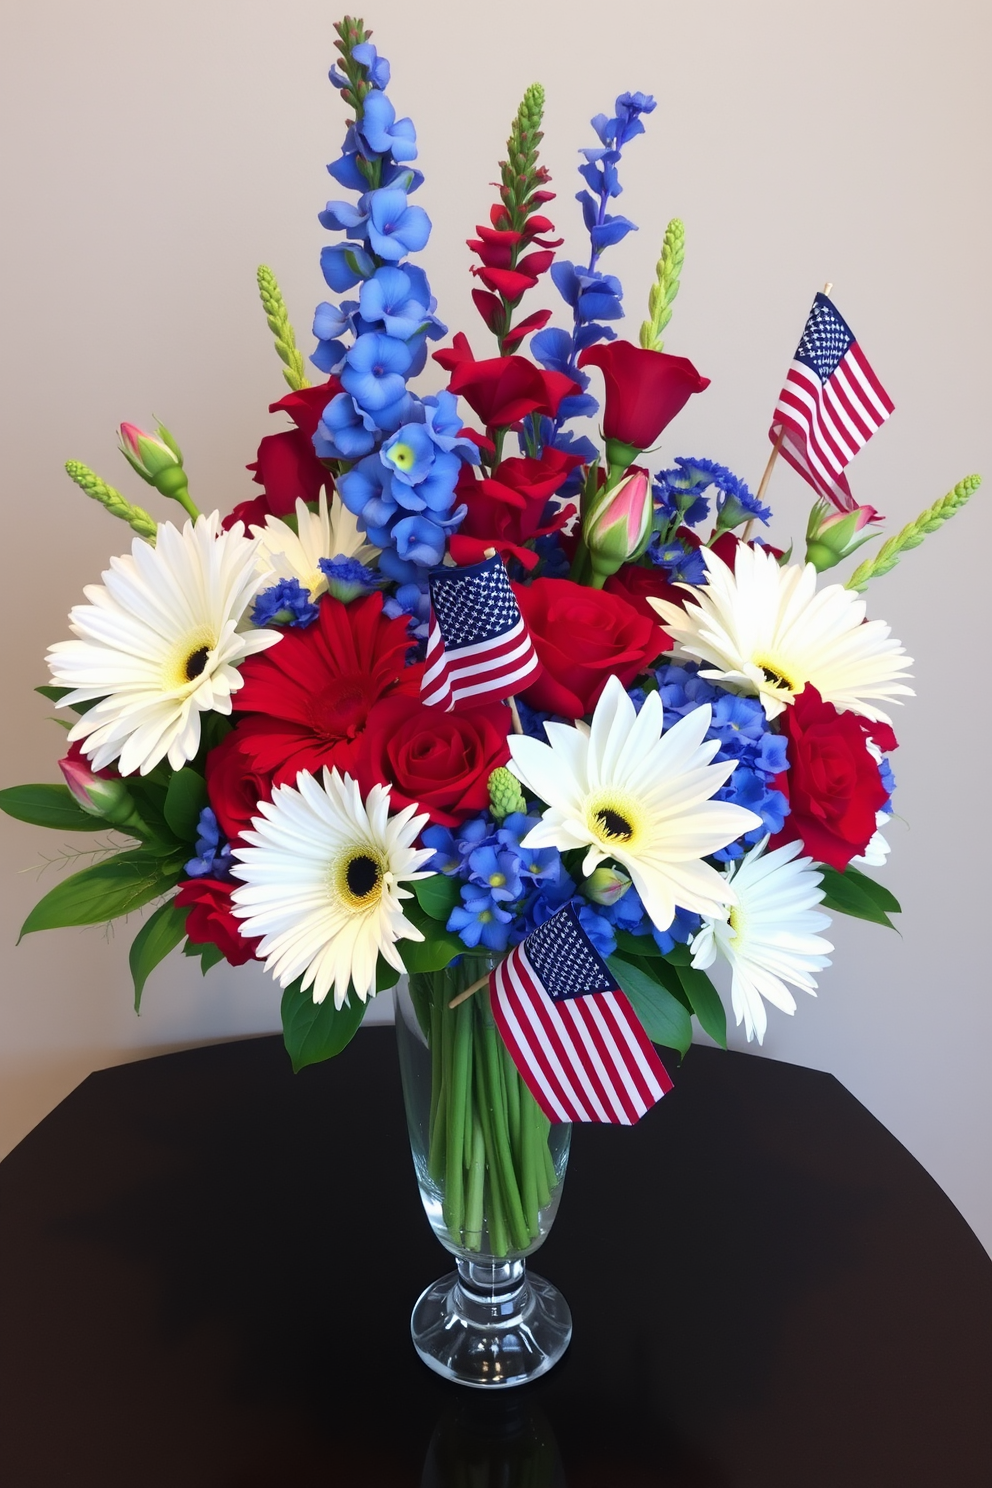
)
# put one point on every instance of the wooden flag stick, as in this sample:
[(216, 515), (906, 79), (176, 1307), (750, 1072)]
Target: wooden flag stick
[(469, 991), (774, 454), (518, 728)]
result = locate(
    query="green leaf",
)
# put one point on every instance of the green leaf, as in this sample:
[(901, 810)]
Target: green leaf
[(706, 1004), (856, 894), (56, 694), (316, 1031), (49, 806), (386, 976), (665, 1019), (184, 800), (636, 945), (160, 934), (103, 891), (436, 950), (437, 895), (208, 953)]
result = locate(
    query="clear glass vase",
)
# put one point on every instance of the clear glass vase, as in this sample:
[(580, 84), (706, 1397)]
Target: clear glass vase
[(490, 1168)]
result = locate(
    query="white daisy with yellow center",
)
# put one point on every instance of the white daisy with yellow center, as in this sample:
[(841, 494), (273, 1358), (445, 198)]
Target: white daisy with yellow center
[(160, 642), (329, 532), (627, 792), (766, 629), (770, 936), (320, 883)]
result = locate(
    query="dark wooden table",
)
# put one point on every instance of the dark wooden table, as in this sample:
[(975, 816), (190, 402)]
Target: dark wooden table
[(207, 1268)]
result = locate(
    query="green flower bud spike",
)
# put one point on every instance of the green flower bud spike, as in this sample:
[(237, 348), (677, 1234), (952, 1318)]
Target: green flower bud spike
[(913, 534), (87, 480), (278, 318), (505, 795), (665, 287), (158, 459)]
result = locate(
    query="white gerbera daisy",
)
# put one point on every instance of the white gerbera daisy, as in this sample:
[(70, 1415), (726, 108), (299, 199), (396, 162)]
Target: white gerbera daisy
[(625, 791), (325, 533), (765, 629), (160, 642), (321, 883), (769, 938)]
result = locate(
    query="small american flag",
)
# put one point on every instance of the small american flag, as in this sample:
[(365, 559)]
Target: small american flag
[(831, 404), (477, 642), (571, 1032)]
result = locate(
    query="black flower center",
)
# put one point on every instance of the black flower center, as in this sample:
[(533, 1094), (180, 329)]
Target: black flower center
[(615, 825), (195, 662), (362, 875), (777, 679)]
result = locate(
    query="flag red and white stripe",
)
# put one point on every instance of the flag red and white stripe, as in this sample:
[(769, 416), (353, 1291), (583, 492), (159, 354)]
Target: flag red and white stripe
[(831, 404), (477, 642), (584, 1056)]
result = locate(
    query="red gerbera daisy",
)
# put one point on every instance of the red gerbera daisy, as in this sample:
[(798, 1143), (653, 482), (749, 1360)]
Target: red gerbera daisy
[(309, 699)]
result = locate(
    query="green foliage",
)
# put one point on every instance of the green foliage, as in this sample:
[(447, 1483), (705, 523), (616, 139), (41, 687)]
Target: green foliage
[(208, 953), (665, 287), (56, 694), (315, 1031), (521, 175), (913, 534), (436, 950), (117, 505), (103, 891), (185, 798), (279, 324), (49, 806), (438, 895), (636, 945), (705, 1001), (160, 934), (666, 1021), (854, 893)]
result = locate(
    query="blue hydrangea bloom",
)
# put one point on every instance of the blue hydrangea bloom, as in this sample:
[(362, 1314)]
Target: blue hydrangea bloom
[(284, 603), (596, 926), (679, 932), (480, 920), (499, 872), (447, 854)]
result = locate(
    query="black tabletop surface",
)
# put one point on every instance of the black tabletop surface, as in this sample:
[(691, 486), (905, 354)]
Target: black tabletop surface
[(207, 1266)]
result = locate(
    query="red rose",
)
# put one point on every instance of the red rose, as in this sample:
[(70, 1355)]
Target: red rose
[(644, 391), (508, 508), (832, 784), (440, 761), (309, 699), (210, 920), (582, 636), (503, 390), (286, 466), (634, 584), (234, 785)]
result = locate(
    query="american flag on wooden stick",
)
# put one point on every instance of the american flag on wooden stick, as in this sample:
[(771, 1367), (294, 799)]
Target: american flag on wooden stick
[(477, 642), (831, 404), (571, 1032)]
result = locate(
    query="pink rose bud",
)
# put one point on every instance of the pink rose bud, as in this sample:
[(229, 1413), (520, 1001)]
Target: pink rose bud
[(606, 886), (618, 524), (98, 795), (832, 536), (157, 458)]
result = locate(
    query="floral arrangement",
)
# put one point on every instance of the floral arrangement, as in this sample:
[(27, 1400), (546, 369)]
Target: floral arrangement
[(696, 762)]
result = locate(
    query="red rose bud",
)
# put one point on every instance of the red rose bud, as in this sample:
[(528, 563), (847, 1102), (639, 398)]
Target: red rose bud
[(644, 392), (832, 535), (618, 525), (606, 886), (158, 459), (109, 799)]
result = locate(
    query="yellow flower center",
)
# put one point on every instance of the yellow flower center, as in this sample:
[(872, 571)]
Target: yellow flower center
[(357, 878), (776, 675), (612, 817), (497, 880), (188, 660), (402, 456)]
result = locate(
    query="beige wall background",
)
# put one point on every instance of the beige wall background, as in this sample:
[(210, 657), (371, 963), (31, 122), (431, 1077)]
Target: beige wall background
[(153, 156)]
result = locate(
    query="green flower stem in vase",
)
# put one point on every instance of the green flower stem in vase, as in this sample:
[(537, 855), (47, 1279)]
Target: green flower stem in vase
[(490, 1166)]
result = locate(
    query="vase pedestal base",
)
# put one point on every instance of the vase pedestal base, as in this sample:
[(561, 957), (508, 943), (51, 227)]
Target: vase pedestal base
[(491, 1325)]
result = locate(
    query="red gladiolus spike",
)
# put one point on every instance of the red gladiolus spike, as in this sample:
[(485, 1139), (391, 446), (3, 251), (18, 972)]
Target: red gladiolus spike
[(534, 322), (507, 282), (452, 356), (490, 308), (535, 263)]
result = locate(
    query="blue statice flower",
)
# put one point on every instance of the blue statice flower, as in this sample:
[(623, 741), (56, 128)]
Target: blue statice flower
[(284, 603), (735, 503), (677, 500), (741, 729), (680, 563), (213, 852)]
